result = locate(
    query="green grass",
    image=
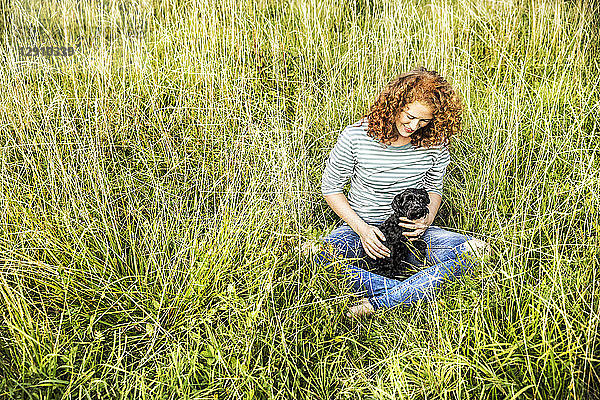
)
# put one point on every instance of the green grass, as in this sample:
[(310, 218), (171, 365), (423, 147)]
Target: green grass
[(155, 188)]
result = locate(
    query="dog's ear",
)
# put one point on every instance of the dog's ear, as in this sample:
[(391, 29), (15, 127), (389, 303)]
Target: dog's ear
[(397, 202)]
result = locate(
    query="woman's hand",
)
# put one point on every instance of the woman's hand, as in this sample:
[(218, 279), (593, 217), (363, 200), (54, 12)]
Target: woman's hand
[(419, 226), (370, 237)]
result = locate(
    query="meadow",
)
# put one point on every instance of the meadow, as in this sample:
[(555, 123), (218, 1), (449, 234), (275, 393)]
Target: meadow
[(159, 175)]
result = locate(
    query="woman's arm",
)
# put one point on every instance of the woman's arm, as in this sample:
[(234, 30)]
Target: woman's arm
[(434, 205), (339, 204), (370, 236)]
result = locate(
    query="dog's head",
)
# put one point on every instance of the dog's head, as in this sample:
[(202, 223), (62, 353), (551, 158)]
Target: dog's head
[(411, 203)]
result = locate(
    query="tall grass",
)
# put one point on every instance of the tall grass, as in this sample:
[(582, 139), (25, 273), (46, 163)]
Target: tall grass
[(156, 185)]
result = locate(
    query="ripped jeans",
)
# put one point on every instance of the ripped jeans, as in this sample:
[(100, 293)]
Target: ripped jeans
[(449, 256)]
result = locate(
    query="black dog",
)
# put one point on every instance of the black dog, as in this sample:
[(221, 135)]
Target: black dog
[(412, 204)]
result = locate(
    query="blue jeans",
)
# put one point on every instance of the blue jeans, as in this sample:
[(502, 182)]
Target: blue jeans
[(449, 256)]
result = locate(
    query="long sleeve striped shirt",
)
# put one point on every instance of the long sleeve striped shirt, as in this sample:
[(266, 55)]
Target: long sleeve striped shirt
[(377, 173)]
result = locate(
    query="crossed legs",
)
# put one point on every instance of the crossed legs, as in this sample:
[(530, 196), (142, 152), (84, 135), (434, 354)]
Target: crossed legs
[(449, 256)]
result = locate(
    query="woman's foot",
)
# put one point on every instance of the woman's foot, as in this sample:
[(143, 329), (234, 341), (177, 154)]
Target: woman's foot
[(363, 308), (480, 248), (310, 248)]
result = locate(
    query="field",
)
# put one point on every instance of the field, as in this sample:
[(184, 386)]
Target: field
[(160, 169)]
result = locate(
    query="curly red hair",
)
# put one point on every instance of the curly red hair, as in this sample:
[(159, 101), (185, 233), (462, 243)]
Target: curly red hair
[(427, 87)]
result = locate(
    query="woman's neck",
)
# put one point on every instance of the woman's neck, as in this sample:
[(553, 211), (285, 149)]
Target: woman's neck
[(400, 141)]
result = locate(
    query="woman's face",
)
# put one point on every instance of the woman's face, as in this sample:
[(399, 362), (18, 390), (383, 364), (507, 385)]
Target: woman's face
[(414, 116)]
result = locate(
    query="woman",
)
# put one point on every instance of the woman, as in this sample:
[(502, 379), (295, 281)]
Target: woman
[(402, 142)]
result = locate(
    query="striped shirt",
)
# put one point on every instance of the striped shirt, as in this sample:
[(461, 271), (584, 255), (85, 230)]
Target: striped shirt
[(377, 172)]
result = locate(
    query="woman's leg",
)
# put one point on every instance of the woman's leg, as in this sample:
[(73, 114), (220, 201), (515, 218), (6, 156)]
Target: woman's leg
[(344, 242), (450, 255)]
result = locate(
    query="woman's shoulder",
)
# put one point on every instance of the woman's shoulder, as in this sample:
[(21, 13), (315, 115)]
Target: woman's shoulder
[(442, 152), (354, 131), (442, 147), (364, 121), (437, 148), (358, 126)]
